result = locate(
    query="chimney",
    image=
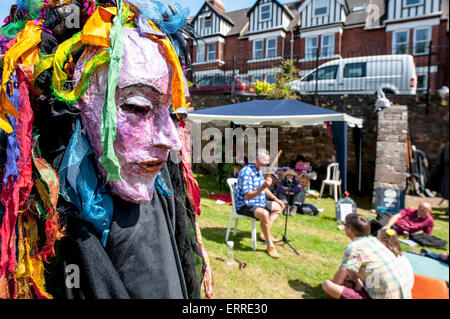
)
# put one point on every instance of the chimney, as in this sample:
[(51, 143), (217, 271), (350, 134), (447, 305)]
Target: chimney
[(218, 4)]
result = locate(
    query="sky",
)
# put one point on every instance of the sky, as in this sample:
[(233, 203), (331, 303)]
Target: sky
[(193, 5)]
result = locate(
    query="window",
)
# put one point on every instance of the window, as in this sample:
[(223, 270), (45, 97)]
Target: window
[(258, 49), (320, 7), (257, 78), (221, 80), (211, 52), (422, 40), (271, 50), (201, 53), (311, 48), (204, 81), (412, 3), (265, 12), (355, 70), (207, 22), (359, 7), (325, 73), (422, 83), (327, 49), (400, 42), (270, 78)]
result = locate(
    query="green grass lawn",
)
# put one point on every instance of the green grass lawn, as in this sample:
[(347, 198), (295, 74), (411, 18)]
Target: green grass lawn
[(317, 239)]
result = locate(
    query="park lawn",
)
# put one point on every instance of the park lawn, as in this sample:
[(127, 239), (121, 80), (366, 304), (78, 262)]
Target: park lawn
[(317, 239)]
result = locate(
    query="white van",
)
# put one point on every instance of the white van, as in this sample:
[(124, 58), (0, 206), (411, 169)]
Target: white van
[(395, 74)]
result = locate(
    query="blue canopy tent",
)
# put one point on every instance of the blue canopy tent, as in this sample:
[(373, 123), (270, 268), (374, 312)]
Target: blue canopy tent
[(290, 113)]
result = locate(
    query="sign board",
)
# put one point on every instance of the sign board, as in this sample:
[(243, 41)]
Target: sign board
[(344, 206), (389, 200)]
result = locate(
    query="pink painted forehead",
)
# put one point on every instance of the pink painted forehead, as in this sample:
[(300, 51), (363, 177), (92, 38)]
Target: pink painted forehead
[(144, 62)]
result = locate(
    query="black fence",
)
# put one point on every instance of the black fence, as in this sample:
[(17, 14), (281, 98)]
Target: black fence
[(325, 72)]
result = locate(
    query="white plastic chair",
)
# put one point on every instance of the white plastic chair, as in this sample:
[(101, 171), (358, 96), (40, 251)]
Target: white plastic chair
[(234, 215), (333, 180)]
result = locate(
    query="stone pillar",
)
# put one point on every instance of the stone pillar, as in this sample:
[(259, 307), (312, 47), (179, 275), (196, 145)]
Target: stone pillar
[(390, 165)]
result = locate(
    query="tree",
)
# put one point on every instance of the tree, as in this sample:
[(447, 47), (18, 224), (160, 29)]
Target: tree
[(280, 89)]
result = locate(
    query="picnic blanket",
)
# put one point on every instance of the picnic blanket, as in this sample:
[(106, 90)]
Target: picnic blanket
[(428, 267), (223, 197)]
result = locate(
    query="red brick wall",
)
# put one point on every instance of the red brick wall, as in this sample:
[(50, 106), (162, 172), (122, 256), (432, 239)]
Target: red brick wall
[(360, 42)]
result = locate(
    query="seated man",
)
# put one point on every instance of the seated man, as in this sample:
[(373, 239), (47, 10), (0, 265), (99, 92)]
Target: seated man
[(369, 269), (289, 189), (411, 220), (250, 197)]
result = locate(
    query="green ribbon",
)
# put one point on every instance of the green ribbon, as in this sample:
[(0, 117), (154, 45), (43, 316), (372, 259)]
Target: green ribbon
[(109, 159)]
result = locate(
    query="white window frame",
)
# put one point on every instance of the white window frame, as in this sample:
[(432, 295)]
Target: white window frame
[(427, 42), (269, 5), (322, 46), (314, 56), (208, 52), (201, 48), (394, 44), (322, 14), (254, 50), (267, 48), (405, 5)]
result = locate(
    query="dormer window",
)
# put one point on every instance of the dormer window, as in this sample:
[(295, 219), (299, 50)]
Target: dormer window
[(265, 12), (412, 3), (320, 7), (207, 22)]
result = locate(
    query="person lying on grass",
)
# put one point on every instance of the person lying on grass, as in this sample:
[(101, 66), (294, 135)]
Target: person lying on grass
[(369, 269), (411, 220)]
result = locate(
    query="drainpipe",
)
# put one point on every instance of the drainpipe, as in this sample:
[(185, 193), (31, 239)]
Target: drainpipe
[(292, 44)]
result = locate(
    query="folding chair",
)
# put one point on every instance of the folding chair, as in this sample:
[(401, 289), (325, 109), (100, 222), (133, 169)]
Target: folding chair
[(234, 215)]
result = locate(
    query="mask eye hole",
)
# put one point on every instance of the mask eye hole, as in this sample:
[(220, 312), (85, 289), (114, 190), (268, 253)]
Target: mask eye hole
[(133, 108)]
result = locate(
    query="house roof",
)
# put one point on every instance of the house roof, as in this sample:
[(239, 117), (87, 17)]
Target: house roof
[(239, 18), (359, 17), (220, 13), (277, 2)]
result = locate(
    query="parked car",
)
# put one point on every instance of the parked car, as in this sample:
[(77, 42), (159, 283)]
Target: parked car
[(221, 84), (395, 74)]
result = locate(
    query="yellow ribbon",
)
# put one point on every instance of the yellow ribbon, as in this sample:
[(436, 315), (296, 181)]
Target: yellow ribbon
[(178, 88), (25, 49)]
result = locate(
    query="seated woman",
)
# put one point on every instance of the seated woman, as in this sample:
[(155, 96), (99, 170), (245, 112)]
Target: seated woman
[(290, 190), (389, 238)]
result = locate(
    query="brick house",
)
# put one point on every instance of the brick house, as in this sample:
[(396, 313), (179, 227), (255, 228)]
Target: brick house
[(260, 37)]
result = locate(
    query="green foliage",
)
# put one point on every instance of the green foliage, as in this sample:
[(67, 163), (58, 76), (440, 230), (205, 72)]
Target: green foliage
[(280, 89), (288, 74), (263, 88)]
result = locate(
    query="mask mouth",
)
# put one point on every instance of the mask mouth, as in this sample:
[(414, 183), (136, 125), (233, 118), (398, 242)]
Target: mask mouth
[(151, 166)]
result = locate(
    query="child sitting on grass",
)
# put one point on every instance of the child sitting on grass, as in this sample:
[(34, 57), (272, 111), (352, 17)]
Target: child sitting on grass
[(389, 238)]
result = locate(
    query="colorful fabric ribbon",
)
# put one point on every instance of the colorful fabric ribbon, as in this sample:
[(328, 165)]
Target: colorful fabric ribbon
[(108, 129), (24, 49), (81, 186)]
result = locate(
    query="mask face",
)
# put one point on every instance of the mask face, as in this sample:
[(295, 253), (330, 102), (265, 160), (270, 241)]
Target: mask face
[(145, 132)]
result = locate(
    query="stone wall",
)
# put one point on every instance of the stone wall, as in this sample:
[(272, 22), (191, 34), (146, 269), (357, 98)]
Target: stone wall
[(390, 170), (429, 132)]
